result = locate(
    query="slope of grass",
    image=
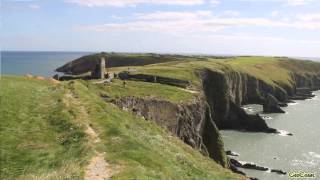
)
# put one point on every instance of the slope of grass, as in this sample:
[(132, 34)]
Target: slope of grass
[(117, 89), (184, 70), (38, 138), (41, 139), (263, 68), (141, 148), (272, 70)]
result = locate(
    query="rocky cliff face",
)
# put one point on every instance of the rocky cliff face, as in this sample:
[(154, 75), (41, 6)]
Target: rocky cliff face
[(197, 122), (227, 91), (309, 81), (190, 121)]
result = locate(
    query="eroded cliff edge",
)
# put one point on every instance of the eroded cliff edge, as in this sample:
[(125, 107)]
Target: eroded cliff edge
[(227, 91), (190, 121), (218, 106), (223, 86)]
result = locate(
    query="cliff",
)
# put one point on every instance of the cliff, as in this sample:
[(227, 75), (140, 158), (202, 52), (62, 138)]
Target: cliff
[(66, 130), (190, 121), (224, 87), (195, 97), (227, 91)]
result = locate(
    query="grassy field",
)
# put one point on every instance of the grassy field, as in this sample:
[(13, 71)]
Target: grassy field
[(272, 70), (43, 137), (117, 90), (43, 125), (38, 138)]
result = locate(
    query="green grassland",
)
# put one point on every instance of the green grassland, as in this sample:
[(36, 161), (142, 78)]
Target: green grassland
[(42, 136), (272, 70), (117, 89), (38, 137), (42, 124)]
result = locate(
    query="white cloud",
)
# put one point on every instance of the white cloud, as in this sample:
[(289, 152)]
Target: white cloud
[(309, 17), (231, 13), (214, 2), (275, 13), (168, 15), (298, 2), (122, 3), (34, 6), (199, 21)]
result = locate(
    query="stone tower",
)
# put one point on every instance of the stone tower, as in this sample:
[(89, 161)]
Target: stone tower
[(99, 71), (102, 67)]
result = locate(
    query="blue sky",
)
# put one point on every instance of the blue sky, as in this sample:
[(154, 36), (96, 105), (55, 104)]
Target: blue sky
[(253, 27)]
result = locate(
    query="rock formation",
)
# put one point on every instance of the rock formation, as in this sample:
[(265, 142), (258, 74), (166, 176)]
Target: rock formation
[(191, 122), (218, 106), (271, 105)]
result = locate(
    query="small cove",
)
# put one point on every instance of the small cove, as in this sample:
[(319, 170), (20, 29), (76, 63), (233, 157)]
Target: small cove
[(300, 152)]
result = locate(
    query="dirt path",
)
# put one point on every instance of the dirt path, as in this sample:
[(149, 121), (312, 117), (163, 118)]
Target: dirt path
[(98, 168), (190, 91)]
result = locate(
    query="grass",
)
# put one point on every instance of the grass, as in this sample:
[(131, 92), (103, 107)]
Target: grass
[(184, 70), (41, 137), (142, 149), (117, 90), (37, 137), (272, 70), (266, 69)]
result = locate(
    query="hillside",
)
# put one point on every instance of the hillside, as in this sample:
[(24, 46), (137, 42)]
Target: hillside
[(56, 131), (259, 67), (157, 119)]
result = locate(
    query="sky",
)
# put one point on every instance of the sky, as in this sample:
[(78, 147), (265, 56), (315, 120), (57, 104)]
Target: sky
[(244, 27)]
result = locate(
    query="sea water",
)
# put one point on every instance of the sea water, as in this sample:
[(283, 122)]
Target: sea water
[(36, 63), (297, 153)]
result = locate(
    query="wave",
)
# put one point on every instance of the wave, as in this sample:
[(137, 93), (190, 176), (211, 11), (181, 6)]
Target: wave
[(293, 104), (283, 133), (314, 155), (266, 117)]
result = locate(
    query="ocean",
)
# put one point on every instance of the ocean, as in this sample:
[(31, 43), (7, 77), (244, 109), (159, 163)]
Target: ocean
[(36, 63), (297, 153)]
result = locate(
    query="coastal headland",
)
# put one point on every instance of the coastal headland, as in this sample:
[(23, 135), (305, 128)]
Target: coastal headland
[(153, 116)]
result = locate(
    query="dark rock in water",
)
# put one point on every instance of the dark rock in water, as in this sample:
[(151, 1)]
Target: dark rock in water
[(282, 104), (247, 165), (234, 169), (271, 105), (278, 171), (231, 153), (254, 166), (271, 130), (235, 162), (253, 178)]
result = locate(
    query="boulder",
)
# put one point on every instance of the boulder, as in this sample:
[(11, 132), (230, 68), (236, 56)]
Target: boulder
[(271, 104), (231, 153), (278, 171)]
